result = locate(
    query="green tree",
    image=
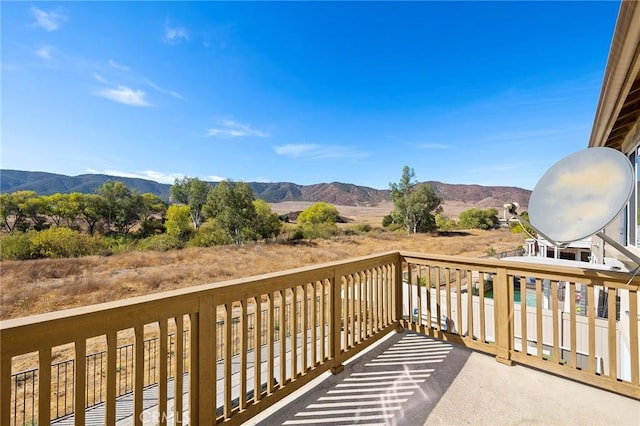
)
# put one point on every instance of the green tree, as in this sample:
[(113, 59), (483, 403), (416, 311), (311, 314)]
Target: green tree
[(230, 204), (120, 207), (400, 196), (319, 221), (415, 205), (178, 222), (445, 223), (423, 205), (318, 213), (152, 208), (14, 210), (36, 210), (70, 207), (55, 210), (191, 192), (89, 206), (476, 218), (267, 223), (112, 196)]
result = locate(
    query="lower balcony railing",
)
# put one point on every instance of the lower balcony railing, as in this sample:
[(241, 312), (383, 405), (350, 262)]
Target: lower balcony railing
[(250, 342)]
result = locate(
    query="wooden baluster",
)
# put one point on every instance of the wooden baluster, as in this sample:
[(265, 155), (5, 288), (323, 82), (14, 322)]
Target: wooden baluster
[(138, 376), (111, 392), (257, 350), (591, 313), (80, 387), (524, 345), (179, 377), (244, 352), (633, 335), (539, 335), (44, 386), (611, 333), (573, 356), (162, 378), (555, 354)]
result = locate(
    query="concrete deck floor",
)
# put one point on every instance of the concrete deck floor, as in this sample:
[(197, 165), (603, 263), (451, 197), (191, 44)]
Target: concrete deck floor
[(409, 379)]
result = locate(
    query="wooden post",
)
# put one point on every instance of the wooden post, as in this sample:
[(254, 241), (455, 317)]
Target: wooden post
[(397, 317), (336, 324), (207, 386), (503, 310)]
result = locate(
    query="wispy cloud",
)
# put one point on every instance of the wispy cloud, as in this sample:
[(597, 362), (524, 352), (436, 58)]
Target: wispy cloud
[(175, 35), (164, 91), (146, 174), (234, 129), (153, 175), (44, 52), (317, 152), (433, 146), (48, 21), (120, 72), (125, 95), (118, 66)]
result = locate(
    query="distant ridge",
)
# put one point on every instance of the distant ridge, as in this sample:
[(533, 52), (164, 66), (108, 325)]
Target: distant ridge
[(337, 193)]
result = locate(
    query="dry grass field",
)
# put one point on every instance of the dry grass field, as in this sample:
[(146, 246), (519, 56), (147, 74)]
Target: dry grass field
[(39, 286)]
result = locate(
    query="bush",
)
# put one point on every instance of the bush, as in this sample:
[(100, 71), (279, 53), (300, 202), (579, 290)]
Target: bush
[(65, 242), (320, 230), (360, 228), (209, 235), (161, 242), (56, 243), (387, 220), (319, 213), (16, 246)]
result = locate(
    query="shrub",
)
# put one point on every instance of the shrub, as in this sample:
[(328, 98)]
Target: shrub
[(161, 242), (178, 222), (64, 242), (319, 213), (387, 220), (321, 230), (209, 235), (16, 246)]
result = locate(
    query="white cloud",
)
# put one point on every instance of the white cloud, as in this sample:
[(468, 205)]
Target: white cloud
[(175, 35), (48, 21), (44, 52), (125, 95), (316, 151), (146, 174), (235, 130), (153, 175)]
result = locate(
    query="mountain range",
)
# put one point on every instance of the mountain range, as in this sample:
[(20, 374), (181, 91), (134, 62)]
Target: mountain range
[(337, 193)]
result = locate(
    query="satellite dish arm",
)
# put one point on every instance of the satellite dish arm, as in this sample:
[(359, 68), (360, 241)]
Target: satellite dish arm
[(513, 210), (622, 249)]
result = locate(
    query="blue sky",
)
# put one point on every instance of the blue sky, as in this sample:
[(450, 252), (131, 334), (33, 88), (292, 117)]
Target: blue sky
[(490, 93)]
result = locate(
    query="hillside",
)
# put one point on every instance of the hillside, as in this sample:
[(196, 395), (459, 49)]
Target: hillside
[(343, 194)]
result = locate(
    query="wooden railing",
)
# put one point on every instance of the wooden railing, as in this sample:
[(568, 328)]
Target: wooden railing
[(547, 317), (300, 344), (314, 319)]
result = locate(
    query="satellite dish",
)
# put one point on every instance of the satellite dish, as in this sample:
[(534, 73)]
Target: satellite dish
[(581, 194)]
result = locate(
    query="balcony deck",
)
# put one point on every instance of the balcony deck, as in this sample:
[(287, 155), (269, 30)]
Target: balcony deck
[(464, 387), (411, 379), (341, 317)]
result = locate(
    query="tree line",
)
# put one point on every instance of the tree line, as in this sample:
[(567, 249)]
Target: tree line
[(198, 214)]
